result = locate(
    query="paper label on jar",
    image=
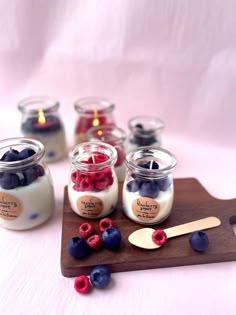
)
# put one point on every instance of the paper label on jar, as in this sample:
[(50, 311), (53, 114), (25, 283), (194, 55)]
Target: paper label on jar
[(89, 206), (10, 206), (145, 209)]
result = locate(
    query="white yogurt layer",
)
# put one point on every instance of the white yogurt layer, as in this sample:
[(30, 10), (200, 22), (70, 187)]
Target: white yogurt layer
[(54, 143), (109, 197), (164, 199), (35, 200), (121, 172)]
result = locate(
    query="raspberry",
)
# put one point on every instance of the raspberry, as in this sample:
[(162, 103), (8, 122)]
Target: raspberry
[(97, 175), (105, 223), (86, 230), (120, 156), (76, 187), (94, 241), (107, 172), (86, 184), (82, 284), (75, 176), (159, 237), (110, 180), (101, 184), (100, 157), (96, 158)]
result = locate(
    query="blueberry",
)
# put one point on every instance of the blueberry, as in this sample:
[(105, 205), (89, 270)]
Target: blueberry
[(164, 183), (34, 216), (24, 154), (143, 165), (78, 247), (147, 165), (198, 241), (149, 189), (29, 176), (9, 181), (51, 154), (154, 165), (133, 186), (10, 156), (100, 277), (39, 170), (111, 238)]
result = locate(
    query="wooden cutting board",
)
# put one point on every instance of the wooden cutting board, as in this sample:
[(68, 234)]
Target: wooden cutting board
[(191, 202)]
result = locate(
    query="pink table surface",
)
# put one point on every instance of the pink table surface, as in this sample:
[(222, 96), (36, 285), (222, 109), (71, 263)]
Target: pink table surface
[(170, 59), (30, 276)]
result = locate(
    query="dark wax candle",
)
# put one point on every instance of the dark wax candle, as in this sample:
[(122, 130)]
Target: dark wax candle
[(34, 125), (143, 137)]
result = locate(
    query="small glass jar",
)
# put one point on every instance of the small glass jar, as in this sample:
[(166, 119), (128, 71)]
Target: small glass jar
[(93, 112), (93, 185), (144, 131), (114, 136), (148, 189), (41, 120), (26, 189)]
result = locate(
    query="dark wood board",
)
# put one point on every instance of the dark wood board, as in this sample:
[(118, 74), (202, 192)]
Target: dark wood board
[(191, 202)]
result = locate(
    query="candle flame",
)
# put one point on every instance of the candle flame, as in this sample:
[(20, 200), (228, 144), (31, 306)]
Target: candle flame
[(96, 121), (41, 117), (100, 132)]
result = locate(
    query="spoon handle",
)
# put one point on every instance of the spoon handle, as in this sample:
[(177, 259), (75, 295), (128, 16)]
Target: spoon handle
[(186, 228)]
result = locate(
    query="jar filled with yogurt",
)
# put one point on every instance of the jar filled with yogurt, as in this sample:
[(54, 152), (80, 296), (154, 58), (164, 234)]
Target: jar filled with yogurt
[(148, 189), (114, 136), (92, 112), (93, 184), (144, 131), (41, 120), (26, 189)]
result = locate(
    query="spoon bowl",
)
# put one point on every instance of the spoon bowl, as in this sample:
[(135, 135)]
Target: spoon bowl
[(143, 237)]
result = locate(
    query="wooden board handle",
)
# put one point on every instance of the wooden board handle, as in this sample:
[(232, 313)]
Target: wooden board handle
[(190, 227)]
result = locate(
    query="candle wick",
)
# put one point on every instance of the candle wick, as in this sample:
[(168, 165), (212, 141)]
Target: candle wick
[(93, 159), (150, 166)]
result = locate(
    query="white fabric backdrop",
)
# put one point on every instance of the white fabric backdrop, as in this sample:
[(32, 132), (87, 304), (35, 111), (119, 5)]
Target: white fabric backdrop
[(172, 59)]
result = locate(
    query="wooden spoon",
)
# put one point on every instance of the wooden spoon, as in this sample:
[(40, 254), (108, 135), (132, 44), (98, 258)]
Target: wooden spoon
[(143, 237)]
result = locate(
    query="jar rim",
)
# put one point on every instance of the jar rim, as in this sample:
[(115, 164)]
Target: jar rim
[(148, 151), (88, 105), (45, 103), (158, 124), (120, 139), (34, 144), (96, 146)]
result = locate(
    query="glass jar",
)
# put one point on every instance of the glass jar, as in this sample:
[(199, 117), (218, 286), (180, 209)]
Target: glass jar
[(93, 112), (26, 190), (148, 188), (40, 120), (93, 185), (144, 131), (114, 136)]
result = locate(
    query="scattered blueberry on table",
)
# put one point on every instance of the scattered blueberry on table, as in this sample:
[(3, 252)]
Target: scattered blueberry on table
[(78, 247), (199, 241), (100, 276), (111, 238)]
